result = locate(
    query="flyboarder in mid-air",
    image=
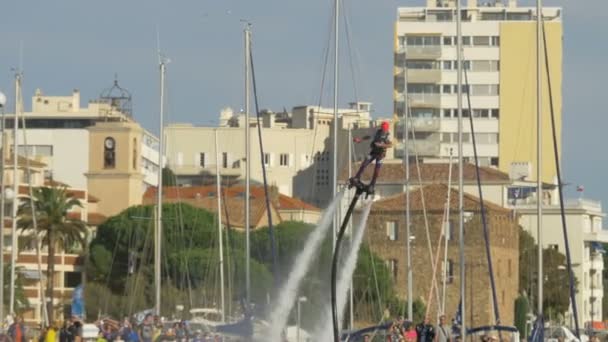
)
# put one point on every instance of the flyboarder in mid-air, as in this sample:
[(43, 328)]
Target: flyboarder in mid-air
[(378, 147)]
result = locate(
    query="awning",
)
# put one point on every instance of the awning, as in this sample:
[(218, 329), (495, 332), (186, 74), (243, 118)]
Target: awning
[(31, 274)]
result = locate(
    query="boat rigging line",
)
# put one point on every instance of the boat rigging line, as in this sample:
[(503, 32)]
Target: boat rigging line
[(275, 270), (486, 233), (560, 188)]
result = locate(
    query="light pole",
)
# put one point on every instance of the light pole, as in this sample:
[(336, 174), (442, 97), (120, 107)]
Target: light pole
[(300, 300)]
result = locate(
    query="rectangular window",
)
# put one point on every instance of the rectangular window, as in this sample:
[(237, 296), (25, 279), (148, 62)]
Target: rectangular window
[(201, 160), (447, 113), (392, 267), (391, 230), (421, 64), (72, 279), (284, 159), (495, 41), (423, 40), (446, 138), (447, 88), (481, 41), (494, 161), (423, 88), (267, 159), (447, 41), (180, 158), (225, 160), (466, 41), (495, 113), (449, 272), (447, 65)]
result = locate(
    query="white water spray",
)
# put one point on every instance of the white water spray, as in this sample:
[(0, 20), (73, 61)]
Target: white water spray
[(288, 293), (325, 333)]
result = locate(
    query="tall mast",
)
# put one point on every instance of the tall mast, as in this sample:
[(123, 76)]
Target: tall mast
[(2, 201), (334, 184), (406, 162), (247, 166), (219, 225), (539, 131), (460, 169), (14, 245), (159, 192)]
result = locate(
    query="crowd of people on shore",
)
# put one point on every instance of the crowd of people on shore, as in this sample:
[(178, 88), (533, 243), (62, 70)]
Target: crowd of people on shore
[(151, 329), (402, 330)]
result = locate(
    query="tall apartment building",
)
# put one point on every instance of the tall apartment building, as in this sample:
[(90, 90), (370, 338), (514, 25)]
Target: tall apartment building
[(58, 134), (499, 52), (297, 149)]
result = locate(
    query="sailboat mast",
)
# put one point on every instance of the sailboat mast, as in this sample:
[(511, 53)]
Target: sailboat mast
[(2, 201), (460, 169), (159, 193), (219, 226), (406, 162), (14, 246), (247, 167), (539, 131), (334, 185)]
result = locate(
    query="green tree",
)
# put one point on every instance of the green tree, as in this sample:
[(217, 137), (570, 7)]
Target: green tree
[(54, 227), (169, 178), (556, 281), (521, 311)]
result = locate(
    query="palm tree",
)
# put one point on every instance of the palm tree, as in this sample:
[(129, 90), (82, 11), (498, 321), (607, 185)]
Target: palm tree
[(54, 228)]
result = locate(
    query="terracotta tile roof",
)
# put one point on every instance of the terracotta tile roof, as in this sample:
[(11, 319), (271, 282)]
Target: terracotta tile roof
[(284, 202), (50, 182), (92, 199), (22, 162), (93, 219), (430, 173), (79, 194), (435, 196), (234, 206)]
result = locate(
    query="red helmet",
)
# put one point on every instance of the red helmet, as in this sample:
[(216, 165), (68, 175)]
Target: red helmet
[(385, 126)]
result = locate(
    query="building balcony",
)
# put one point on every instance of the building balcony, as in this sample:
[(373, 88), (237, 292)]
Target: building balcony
[(418, 52), (423, 100), (423, 147), (421, 125), (417, 76)]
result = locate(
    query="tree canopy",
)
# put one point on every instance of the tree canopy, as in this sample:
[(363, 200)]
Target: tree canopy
[(555, 285), (120, 264)]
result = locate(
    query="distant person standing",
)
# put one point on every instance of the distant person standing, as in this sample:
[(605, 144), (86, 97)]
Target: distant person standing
[(146, 330), (444, 332), (425, 331), (17, 330)]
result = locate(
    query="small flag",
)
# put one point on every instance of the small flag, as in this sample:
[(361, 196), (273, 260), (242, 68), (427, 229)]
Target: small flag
[(457, 322), (580, 188)]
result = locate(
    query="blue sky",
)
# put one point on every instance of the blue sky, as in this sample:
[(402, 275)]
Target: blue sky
[(81, 44)]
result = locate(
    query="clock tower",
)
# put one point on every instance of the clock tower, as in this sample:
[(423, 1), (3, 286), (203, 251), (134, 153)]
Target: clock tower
[(114, 174)]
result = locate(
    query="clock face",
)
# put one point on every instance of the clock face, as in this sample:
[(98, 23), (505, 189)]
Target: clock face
[(109, 143)]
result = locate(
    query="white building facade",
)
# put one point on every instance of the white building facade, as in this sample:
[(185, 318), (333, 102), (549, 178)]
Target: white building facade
[(297, 149), (57, 135)]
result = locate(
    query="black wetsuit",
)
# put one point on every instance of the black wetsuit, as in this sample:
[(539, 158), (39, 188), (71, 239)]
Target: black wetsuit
[(377, 153)]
